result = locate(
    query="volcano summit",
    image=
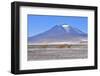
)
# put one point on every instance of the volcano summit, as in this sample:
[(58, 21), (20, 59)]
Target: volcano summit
[(59, 33)]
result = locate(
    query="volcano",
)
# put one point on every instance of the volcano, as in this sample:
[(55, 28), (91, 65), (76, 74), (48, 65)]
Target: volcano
[(57, 34)]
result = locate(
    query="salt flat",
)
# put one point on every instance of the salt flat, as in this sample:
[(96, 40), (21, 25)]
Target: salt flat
[(48, 53)]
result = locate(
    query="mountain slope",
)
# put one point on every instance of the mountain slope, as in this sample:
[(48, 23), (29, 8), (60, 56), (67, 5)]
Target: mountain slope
[(59, 33)]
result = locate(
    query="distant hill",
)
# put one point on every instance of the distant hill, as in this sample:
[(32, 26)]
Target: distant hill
[(59, 33)]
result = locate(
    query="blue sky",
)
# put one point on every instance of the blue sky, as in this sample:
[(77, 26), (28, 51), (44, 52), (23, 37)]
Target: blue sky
[(41, 23)]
